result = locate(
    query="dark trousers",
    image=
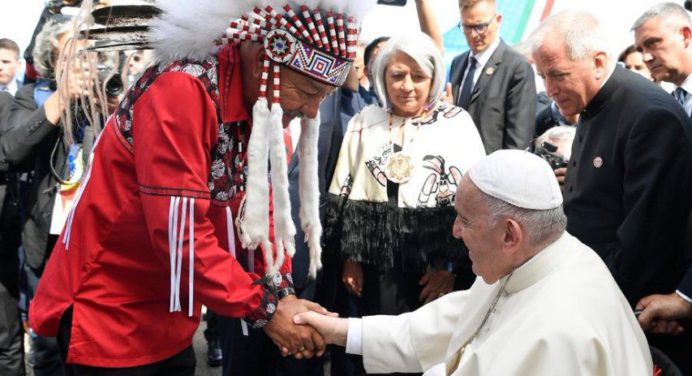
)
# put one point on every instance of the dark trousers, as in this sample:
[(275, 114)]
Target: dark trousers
[(211, 333), (180, 364), (332, 295), (11, 331), (11, 335), (256, 354)]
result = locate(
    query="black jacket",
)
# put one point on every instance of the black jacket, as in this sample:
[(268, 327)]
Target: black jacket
[(629, 183), (503, 101), (32, 141)]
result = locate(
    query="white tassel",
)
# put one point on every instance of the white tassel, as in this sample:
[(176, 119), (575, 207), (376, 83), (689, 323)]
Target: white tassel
[(284, 229), (254, 226), (191, 261), (179, 266), (309, 191), (172, 249)]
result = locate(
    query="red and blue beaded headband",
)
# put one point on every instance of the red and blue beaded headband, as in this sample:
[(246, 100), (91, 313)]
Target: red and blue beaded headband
[(307, 45)]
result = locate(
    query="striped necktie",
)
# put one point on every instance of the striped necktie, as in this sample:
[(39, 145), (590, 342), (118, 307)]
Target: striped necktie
[(681, 96)]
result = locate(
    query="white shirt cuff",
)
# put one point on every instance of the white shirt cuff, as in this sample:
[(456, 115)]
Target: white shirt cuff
[(354, 337), (685, 297)]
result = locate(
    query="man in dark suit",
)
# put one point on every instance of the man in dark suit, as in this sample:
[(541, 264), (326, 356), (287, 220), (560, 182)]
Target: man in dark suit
[(664, 35), (11, 332), (627, 186), (494, 83)]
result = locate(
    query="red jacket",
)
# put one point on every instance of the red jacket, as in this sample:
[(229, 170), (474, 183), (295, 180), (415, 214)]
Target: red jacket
[(164, 154)]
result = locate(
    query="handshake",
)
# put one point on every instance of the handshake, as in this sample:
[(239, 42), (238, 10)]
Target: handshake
[(303, 329)]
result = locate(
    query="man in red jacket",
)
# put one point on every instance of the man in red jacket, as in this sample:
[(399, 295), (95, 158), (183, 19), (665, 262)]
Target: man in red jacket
[(151, 235)]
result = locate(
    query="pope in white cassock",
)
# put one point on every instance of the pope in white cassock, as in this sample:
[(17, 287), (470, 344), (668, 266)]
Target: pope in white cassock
[(544, 303)]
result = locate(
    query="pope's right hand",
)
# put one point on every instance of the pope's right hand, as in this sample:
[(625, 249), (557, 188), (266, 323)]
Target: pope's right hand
[(300, 341), (333, 329)]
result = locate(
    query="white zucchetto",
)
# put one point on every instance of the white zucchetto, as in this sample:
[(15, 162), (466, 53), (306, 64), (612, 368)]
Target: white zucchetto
[(519, 178)]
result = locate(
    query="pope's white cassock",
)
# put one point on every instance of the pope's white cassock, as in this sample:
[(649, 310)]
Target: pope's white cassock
[(560, 313)]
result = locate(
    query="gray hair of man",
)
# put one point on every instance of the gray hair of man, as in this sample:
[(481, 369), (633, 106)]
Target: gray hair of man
[(423, 51), (542, 227), (675, 16), (47, 43), (581, 33)]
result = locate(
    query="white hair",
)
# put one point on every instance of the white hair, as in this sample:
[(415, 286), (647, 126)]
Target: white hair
[(580, 32), (423, 51), (47, 43), (541, 226), (674, 15)]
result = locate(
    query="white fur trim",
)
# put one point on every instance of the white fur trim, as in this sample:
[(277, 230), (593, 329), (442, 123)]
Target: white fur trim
[(254, 226), (284, 229), (309, 191)]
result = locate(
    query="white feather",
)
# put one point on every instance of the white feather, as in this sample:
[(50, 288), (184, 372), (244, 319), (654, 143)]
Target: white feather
[(188, 29), (333, 5), (312, 4), (358, 8)]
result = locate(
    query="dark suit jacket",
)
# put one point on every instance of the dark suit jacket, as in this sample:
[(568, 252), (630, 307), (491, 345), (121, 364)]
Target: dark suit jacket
[(503, 101), (627, 189), (32, 141)]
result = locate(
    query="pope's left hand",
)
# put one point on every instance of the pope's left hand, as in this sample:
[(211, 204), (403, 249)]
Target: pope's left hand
[(437, 283)]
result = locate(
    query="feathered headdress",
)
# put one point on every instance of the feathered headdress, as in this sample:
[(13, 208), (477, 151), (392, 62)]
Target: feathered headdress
[(314, 37)]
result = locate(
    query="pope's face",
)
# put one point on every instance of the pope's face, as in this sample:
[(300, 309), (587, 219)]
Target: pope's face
[(483, 239), (300, 96), (570, 83), (407, 85), (663, 49)]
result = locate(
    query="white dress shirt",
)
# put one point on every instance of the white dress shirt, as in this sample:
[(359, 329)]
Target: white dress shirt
[(11, 87), (482, 58)]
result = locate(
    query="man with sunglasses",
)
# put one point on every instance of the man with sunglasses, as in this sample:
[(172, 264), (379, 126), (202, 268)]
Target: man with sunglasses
[(494, 83)]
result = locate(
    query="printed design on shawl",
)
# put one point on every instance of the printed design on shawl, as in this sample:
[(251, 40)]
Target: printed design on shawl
[(377, 164), (346, 188), (442, 191), (228, 170)]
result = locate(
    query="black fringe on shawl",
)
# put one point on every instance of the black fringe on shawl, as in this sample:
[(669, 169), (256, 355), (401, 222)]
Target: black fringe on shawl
[(384, 235)]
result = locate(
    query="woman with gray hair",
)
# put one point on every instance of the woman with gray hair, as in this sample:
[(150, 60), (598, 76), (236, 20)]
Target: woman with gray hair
[(390, 209)]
